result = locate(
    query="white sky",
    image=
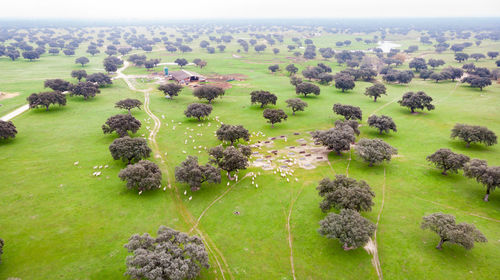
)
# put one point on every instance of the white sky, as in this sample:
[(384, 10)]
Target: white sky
[(193, 9)]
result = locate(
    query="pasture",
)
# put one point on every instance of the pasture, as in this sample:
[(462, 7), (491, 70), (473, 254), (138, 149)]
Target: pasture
[(60, 222)]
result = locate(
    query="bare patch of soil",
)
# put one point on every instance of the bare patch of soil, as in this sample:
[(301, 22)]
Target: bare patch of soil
[(223, 81), (7, 95), (296, 59), (306, 155)]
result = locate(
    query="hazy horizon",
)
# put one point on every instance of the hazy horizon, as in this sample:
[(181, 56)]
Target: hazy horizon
[(257, 9)]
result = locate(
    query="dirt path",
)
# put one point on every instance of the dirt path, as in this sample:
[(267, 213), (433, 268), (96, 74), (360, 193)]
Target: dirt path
[(449, 94), (288, 228), (348, 163), (385, 105), (331, 167), (371, 247), (15, 113), (186, 215), (453, 208), (217, 199)]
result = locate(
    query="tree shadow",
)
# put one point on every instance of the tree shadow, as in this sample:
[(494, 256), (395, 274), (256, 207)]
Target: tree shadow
[(462, 146), (374, 133), (6, 142), (52, 110), (196, 121)]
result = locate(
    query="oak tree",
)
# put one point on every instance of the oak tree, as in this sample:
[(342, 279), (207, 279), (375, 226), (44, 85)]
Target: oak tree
[(447, 160), (129, 149), (474, 134), (171, 255), (128, 104), (7, 130), (143, 175), (121, 124), (193, 174), (349, 112), (489, 176), (345, 193), (198, 110), (170, 89), (416, 100), (45, 99), (444, 225), (382, 123), (263, 97), (274, 116), (208, 92), (232, 133), (349, 227), (296, 104), (374, 151), (375, 91)]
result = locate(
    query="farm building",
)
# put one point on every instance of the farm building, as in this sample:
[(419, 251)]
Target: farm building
[(185, 77)]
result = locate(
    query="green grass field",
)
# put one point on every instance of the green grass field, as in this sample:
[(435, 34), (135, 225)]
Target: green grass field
[(60, 222)]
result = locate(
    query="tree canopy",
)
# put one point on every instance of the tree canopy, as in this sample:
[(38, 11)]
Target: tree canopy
[(45, 99), (171, 255), (296, 104), (181, 62), (349, 112), (382, 123), (232, 133), (476, 81), (447, 160), (57, 85), (82, 60), (79, 74), (307, 88), (489, 176), (128, 104), (143, 175), (349, 227), (292, 69), (86, 89), (263, 97), (7, 130), (345, 193), (418, 64), (100, 79), (374, 151), (170, 89), (208, 92), (198, 110), (344, 82), (193, 174), (274, 68), (274, 116), (31, 55), (473, 134), (231, 158), (416, 100), (121, 124), (375, 91), (444, 225), (337, 139), (130, 149)]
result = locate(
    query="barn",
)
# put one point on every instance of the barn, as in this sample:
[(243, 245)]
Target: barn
[(186, 77)]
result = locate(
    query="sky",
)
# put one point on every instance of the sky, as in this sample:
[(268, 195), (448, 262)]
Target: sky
[(230, 9)]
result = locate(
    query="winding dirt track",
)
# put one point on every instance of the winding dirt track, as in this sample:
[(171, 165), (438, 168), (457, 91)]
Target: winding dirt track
[(348, 163), (215, 201), (371, 247), (288, 228), (186, 215)]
